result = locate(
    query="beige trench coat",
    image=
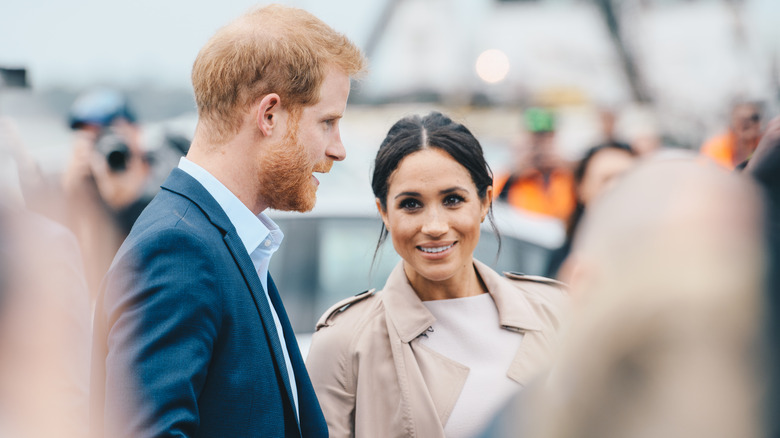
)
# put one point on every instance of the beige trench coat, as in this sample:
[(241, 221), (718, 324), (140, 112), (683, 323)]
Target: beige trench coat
[(373, 379)]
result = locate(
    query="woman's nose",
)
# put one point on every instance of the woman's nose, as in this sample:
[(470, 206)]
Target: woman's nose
[(435, 225)]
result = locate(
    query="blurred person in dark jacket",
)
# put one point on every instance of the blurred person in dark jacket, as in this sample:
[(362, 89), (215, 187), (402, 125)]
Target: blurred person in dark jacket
[(596, 171), (764, 166)]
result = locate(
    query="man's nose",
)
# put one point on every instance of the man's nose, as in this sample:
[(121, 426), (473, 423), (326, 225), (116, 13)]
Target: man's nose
[(335, 150)]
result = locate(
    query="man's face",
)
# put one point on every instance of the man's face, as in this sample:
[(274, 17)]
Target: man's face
[(311, 144)]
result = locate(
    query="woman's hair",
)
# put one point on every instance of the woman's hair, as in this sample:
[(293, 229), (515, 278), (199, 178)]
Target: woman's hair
[(415, 133), (579, 175)]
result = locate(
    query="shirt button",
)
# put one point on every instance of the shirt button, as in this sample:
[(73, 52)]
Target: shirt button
[(267, 243)]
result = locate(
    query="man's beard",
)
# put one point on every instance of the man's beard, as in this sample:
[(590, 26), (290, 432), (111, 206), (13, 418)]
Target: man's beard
[(285, 175)]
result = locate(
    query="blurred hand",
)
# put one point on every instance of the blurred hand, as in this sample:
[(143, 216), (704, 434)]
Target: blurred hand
[(120, 189), (77, 177), (88, 170)]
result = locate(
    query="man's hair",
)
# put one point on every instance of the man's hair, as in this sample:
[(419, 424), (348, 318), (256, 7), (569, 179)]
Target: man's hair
[(273, 49)]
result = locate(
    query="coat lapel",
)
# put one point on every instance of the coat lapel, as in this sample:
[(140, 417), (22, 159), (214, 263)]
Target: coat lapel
[(517, 314), (407, 319)]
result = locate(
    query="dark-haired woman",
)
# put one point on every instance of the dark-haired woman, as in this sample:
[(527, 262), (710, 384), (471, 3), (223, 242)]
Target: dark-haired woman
[(448, 340), (595, 172)]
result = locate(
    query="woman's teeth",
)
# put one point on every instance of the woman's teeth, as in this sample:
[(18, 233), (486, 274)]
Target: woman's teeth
[(435, 250)]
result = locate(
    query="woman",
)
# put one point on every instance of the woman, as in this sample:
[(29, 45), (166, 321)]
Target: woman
[(595, 172), (448, 340)]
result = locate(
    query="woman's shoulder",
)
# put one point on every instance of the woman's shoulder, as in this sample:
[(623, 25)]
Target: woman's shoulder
[(548, 296), (537, 282), (347, 327), (351, 311)]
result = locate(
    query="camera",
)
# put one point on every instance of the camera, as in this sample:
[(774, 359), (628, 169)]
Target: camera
[(114, 147)]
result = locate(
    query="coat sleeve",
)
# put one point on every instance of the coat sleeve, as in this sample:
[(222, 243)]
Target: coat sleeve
[(332, 370), (161, 310)]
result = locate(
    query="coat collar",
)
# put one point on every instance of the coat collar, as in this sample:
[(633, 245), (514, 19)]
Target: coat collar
[(411, 318), (181, 183)]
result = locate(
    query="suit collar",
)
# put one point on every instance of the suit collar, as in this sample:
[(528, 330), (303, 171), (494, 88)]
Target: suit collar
[(181, 183), (411, 318)]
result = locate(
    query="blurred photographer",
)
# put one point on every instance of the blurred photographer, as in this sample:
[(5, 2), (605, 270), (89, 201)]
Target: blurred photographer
[(107, 163), (107, 180)]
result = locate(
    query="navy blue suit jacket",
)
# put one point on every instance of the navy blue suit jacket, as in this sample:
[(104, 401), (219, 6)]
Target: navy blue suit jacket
[(184, 343)]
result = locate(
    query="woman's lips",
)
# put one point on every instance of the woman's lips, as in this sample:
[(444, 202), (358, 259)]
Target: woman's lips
[(436, 251)]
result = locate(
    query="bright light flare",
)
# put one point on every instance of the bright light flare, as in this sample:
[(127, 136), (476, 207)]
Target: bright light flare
[(492, 66)]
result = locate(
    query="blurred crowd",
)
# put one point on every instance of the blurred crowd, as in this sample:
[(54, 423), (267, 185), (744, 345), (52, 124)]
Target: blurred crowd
[(671, 260)]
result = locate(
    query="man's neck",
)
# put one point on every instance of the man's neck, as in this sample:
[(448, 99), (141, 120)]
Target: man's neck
[(228, 164)]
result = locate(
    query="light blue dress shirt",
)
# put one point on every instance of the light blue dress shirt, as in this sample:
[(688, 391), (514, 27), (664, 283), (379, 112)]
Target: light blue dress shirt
[(259, 234)]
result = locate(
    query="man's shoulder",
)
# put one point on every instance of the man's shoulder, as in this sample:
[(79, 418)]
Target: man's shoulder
[(170, 210)]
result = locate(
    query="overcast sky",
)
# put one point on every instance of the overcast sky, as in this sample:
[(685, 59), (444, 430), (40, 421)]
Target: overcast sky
[(81, 42)]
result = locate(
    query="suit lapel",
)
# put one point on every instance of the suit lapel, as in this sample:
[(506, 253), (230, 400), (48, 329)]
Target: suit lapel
[(261, 303), (185, 185), (312, 422)]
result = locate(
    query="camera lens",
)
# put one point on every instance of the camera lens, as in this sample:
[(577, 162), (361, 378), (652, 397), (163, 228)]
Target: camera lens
[(117, 160), (115, 149)]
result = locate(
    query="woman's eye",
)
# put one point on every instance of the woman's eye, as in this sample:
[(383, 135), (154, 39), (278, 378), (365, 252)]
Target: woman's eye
[(453, 200), (409, 204)]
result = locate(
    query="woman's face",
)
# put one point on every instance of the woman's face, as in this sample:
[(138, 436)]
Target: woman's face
[(433, 215)]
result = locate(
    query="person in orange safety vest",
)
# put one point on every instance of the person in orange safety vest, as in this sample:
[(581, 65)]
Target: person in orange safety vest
[(542, 181), (731, 148)]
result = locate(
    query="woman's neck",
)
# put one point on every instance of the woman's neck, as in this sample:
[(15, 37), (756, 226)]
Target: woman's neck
[(466, 283)]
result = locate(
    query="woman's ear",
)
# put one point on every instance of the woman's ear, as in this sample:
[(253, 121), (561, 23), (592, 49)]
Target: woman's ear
[(268, 110), (486, 202), (382, 211)]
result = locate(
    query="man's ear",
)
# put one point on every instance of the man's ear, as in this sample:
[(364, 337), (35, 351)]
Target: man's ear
[(268, 110)]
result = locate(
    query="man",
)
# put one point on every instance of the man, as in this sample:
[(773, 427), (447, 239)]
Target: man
[(541, 181), (191, 337), (738, 143)]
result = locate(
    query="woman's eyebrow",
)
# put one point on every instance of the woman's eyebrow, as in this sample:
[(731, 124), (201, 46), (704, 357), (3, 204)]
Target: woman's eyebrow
[(453, 189), (407, 194)]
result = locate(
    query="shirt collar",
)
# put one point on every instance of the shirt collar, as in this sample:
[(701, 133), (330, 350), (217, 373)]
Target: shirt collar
[(411, 318), (251, 229)]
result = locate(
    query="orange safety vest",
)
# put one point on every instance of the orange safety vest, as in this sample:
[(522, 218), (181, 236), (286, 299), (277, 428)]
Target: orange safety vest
[(553, 197), (721, 150)]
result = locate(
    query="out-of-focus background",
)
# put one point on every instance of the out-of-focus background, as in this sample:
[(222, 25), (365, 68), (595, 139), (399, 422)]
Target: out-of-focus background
[(667, 67), (668, 71)]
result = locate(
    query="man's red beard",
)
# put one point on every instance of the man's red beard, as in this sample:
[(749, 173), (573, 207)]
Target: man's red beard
[(286, 175)]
